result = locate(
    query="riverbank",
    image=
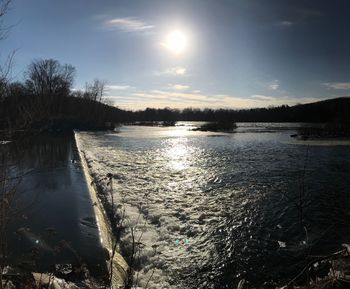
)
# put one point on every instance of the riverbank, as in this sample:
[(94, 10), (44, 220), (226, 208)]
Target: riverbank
[(324, 272)]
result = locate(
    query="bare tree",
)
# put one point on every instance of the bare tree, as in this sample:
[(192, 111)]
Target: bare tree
[(78, 93), (95, 90), (108, 101), (4, 6), (47, 77), (6, 66)]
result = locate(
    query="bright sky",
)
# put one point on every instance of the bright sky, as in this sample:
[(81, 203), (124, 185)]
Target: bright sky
[(198, 53)]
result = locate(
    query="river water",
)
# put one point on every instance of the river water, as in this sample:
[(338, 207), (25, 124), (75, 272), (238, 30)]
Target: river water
[(52, 218), (212, 209)]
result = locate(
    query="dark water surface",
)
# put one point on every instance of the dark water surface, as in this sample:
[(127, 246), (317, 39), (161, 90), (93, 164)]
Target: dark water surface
[(54, 221), (222, 207)]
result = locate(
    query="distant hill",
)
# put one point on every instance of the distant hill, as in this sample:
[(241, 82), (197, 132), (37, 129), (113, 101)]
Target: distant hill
[(331, 110)]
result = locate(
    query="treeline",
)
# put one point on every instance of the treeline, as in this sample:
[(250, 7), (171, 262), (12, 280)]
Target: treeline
[(333, 110), (46, 100)]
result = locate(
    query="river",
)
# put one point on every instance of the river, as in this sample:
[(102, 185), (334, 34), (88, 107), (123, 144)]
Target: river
[(212, 209), (52, 218)]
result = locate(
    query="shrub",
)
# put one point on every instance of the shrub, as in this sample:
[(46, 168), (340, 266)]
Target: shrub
[(218, 126)]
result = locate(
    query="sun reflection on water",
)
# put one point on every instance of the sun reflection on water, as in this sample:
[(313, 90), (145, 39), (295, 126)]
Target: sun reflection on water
[(178, 131), (178, 153)]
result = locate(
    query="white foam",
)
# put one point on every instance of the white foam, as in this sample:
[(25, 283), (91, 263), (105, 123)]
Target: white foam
[(162, 193)]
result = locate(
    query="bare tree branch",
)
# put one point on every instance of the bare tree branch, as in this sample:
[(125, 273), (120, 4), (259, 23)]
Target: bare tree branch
[(95, 90), (47, 77)]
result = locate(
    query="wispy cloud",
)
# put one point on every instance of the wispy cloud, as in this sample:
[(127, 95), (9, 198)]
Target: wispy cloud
[(129, 24), (263, 97), (337, 85), (118, 87), (181, 99), (172, 71), (180, 87), (300, 16), (274, 85), (286, 23), (179, 70)]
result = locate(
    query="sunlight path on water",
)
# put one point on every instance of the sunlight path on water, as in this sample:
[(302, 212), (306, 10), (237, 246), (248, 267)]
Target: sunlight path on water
[(209, 208)]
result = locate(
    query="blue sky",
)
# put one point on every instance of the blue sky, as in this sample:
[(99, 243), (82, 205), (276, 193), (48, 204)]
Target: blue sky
[(239, 53)]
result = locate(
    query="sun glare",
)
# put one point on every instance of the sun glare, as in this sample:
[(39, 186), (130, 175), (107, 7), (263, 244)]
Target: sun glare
[(176, 42)]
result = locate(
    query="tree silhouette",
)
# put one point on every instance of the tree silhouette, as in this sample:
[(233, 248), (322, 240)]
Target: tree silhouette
[(95, 90), (47, 77), (6, 65)]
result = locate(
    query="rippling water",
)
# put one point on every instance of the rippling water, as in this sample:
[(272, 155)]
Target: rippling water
[(222, 207)]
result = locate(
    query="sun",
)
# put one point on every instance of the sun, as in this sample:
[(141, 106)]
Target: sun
[(176, 42)]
